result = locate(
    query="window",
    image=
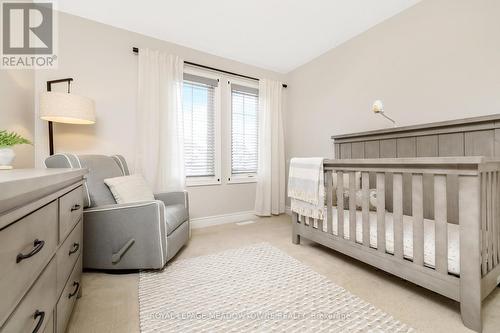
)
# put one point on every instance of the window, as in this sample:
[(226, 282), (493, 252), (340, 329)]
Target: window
[(244, 131), (206, 115), (201, 128)]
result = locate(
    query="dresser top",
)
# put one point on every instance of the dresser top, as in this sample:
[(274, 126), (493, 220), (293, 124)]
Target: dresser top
[(18, 176), (20, 186)]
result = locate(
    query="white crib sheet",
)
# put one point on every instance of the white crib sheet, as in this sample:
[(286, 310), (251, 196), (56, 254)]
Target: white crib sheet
[(429, 234)]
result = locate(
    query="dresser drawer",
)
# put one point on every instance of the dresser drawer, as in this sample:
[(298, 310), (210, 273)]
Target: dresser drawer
[(26, 247), (70, 211), (68, 297), (36, 308), (67, 254), (49, 327)]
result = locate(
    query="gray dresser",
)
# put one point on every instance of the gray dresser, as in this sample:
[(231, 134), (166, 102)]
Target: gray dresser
[(40, 248)]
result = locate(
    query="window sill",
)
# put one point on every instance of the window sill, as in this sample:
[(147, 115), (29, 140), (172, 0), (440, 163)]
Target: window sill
[(242, 179), (202, 182)]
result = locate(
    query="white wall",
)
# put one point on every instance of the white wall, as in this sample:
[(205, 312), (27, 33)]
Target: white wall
[(438, 60), (100, 59), (16, 111)]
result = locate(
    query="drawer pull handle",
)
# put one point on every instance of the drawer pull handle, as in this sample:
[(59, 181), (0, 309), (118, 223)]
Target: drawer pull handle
[(37, 314), (37, 246), (75, 207), (77, 285), (76, 246)]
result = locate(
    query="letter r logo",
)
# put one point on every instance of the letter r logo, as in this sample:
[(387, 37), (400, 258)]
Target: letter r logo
[(27, 28)]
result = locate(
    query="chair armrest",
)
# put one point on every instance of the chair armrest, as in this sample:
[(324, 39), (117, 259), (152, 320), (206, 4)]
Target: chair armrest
[(108, 228), (144, 205), (173, 198)]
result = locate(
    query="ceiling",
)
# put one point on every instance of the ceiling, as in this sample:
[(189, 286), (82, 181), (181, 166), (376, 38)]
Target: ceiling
[(278, 35)]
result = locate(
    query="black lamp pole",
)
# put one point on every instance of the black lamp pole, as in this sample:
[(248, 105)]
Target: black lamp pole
[(51, 130)]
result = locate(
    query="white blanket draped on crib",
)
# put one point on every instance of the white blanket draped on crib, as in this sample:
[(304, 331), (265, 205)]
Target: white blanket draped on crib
[(306, 187)]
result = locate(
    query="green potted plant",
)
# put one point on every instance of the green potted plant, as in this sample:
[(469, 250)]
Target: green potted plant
[(7, 141)]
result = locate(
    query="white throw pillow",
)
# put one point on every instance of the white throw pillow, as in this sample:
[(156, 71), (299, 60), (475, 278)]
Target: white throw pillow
[(128, 189)]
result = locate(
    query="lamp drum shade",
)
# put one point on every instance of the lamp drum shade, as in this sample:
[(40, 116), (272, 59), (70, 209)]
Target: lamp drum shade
[(67, 108)]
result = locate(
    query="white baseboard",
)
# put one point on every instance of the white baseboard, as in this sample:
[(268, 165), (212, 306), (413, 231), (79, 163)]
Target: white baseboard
[(288, 211), (208, 221)]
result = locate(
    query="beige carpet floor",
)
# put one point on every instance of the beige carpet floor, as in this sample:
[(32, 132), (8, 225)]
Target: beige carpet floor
[(110, 304)]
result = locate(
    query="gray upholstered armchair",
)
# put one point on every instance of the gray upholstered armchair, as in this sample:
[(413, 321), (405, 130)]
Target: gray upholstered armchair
[(140, 235)]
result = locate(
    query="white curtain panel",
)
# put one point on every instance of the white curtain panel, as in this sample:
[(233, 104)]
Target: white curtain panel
[(160, 156), (270, 193)]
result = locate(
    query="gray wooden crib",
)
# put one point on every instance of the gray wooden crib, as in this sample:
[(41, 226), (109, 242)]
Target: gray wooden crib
[(437, 207)]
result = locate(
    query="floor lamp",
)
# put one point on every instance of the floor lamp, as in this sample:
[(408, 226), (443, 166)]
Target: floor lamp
[(65, 108)]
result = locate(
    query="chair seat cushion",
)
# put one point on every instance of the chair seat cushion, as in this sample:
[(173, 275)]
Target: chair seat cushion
[(175, 215)]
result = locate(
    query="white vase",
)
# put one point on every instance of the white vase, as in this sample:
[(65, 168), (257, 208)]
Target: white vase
[(7, 155)]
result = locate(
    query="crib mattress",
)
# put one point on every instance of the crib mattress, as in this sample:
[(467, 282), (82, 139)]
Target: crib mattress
[(429, 237)]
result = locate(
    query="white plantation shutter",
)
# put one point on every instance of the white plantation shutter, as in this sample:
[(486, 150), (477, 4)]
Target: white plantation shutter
[(244, 129), (199, 125)]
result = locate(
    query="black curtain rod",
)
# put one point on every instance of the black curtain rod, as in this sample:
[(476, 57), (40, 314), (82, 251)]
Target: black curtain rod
[(136, 50)]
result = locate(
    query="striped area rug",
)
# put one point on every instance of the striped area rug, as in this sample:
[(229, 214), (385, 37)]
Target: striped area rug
[(256, 288)]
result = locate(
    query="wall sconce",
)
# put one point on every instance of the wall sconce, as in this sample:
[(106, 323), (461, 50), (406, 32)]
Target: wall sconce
[(378, 107)]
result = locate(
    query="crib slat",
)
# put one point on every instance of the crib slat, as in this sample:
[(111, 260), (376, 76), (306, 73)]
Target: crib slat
[(418, 220), (498, 216), (295, 221), (441, 224), (484, 242), (492, 231), (352, 207), (340, 204), (469, 215), (381, 212), (329, 200), (397, 185), (494, 201), (489, 219), (494, 220), (497, 224), (365, 183)]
